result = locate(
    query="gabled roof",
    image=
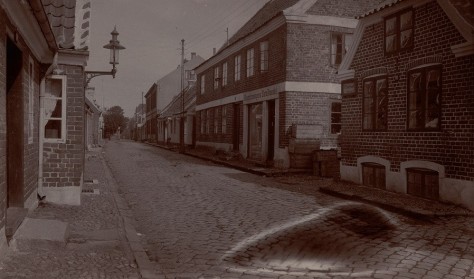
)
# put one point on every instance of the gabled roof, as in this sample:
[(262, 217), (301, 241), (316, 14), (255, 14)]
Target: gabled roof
[(69, 20), (458, 11), (176, 105)]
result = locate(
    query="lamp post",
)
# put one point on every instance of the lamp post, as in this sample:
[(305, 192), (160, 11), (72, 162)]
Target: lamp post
[(114, 46)]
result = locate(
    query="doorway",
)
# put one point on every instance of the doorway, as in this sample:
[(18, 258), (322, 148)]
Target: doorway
[(14, 131), (236, 128), (271, 130)]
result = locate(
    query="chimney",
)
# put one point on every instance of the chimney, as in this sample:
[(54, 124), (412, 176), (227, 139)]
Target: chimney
[(193, 55), (213, 51)]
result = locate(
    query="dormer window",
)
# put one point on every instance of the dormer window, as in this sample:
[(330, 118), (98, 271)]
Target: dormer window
[(399, 32)]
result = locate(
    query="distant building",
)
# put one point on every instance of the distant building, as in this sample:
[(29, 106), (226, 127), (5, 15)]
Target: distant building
[(93, 115), (164, 90), (408, 102)]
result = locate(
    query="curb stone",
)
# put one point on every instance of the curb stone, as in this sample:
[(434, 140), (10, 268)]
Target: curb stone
[(145, 267)]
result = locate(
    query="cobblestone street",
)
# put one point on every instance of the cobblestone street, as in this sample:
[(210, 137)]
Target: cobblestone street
[(200, 220)]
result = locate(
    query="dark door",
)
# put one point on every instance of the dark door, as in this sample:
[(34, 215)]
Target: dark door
[(271, 130), (15, 134), (236, 129)]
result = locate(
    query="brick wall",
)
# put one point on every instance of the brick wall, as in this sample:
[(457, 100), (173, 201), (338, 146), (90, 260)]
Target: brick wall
[(64, 162), (3, 123), (452, 145), (308, 53), (275, 74), (307, 108)]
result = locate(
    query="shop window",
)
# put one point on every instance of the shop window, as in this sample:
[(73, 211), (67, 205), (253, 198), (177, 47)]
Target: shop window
[(54, 104), (373, 175), (237, 66), (399, 32), (224, 74), (424, 98), (216, 120), (375, 103), (224, 119), (250, 62), (264, 56), (340, 44), (336, 118), (423, 183)]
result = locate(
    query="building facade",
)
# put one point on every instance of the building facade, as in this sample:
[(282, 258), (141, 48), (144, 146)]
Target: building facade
[(272, 92), (151, 113), (407, 102)]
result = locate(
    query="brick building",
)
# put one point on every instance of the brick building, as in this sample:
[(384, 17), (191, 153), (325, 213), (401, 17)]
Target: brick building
[(151, 113), (408, 103), (272, 91), (41, 82)]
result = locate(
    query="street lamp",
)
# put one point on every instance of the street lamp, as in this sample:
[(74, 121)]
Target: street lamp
[(114, 46)]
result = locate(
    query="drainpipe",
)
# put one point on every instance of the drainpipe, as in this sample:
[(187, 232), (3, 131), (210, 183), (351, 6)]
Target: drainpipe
[(50, 69)]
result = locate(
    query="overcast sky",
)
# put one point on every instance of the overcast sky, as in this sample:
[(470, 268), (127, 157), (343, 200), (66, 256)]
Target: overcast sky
[(151, 31)]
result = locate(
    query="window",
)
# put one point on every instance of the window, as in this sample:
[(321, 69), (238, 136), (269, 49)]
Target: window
[(224, 119), (216, 120), (31, 94), (340, 44), (373, 175), (336, 118), (399, 32), (423, 183), (224, 74), (424, 98), (237, 67), (264, 56), (203, 84), (375, 103), (190, 75), (203, 121), (216, 77), (250, 62), (208, 121), (54, 101)]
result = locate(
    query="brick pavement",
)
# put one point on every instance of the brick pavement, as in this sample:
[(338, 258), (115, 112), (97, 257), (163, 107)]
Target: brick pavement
[(201, 220), (96, 248)]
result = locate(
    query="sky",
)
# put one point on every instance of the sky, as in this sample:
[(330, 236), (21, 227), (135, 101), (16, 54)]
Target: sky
[(151, 31)]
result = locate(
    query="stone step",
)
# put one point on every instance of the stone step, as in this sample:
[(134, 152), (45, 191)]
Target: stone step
[(43, 234), (15, 216)]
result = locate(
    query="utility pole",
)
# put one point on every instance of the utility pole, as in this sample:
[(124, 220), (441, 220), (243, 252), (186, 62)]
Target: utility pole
[(227, 32), (182, 148)]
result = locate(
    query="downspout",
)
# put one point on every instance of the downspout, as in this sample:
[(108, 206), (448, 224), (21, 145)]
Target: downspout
[(50, 69)]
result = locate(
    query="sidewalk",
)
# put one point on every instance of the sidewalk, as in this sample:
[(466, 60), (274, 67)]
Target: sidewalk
[(97, 244), (395, 202)]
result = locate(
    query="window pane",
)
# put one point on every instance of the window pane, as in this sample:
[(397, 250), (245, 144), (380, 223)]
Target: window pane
[(368, 105), (336, 48), (391, 43), (58, 109), (406, 39), (53, 129), (390, 26), (382, 103), (54, 88), (433, 92), (255, 131), (406, 21)]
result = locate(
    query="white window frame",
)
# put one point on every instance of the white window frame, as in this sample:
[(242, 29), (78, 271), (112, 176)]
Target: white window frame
[(250, 62), (264, 57), (31, 94), (224, 74), (237, 67), (62, 138)]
